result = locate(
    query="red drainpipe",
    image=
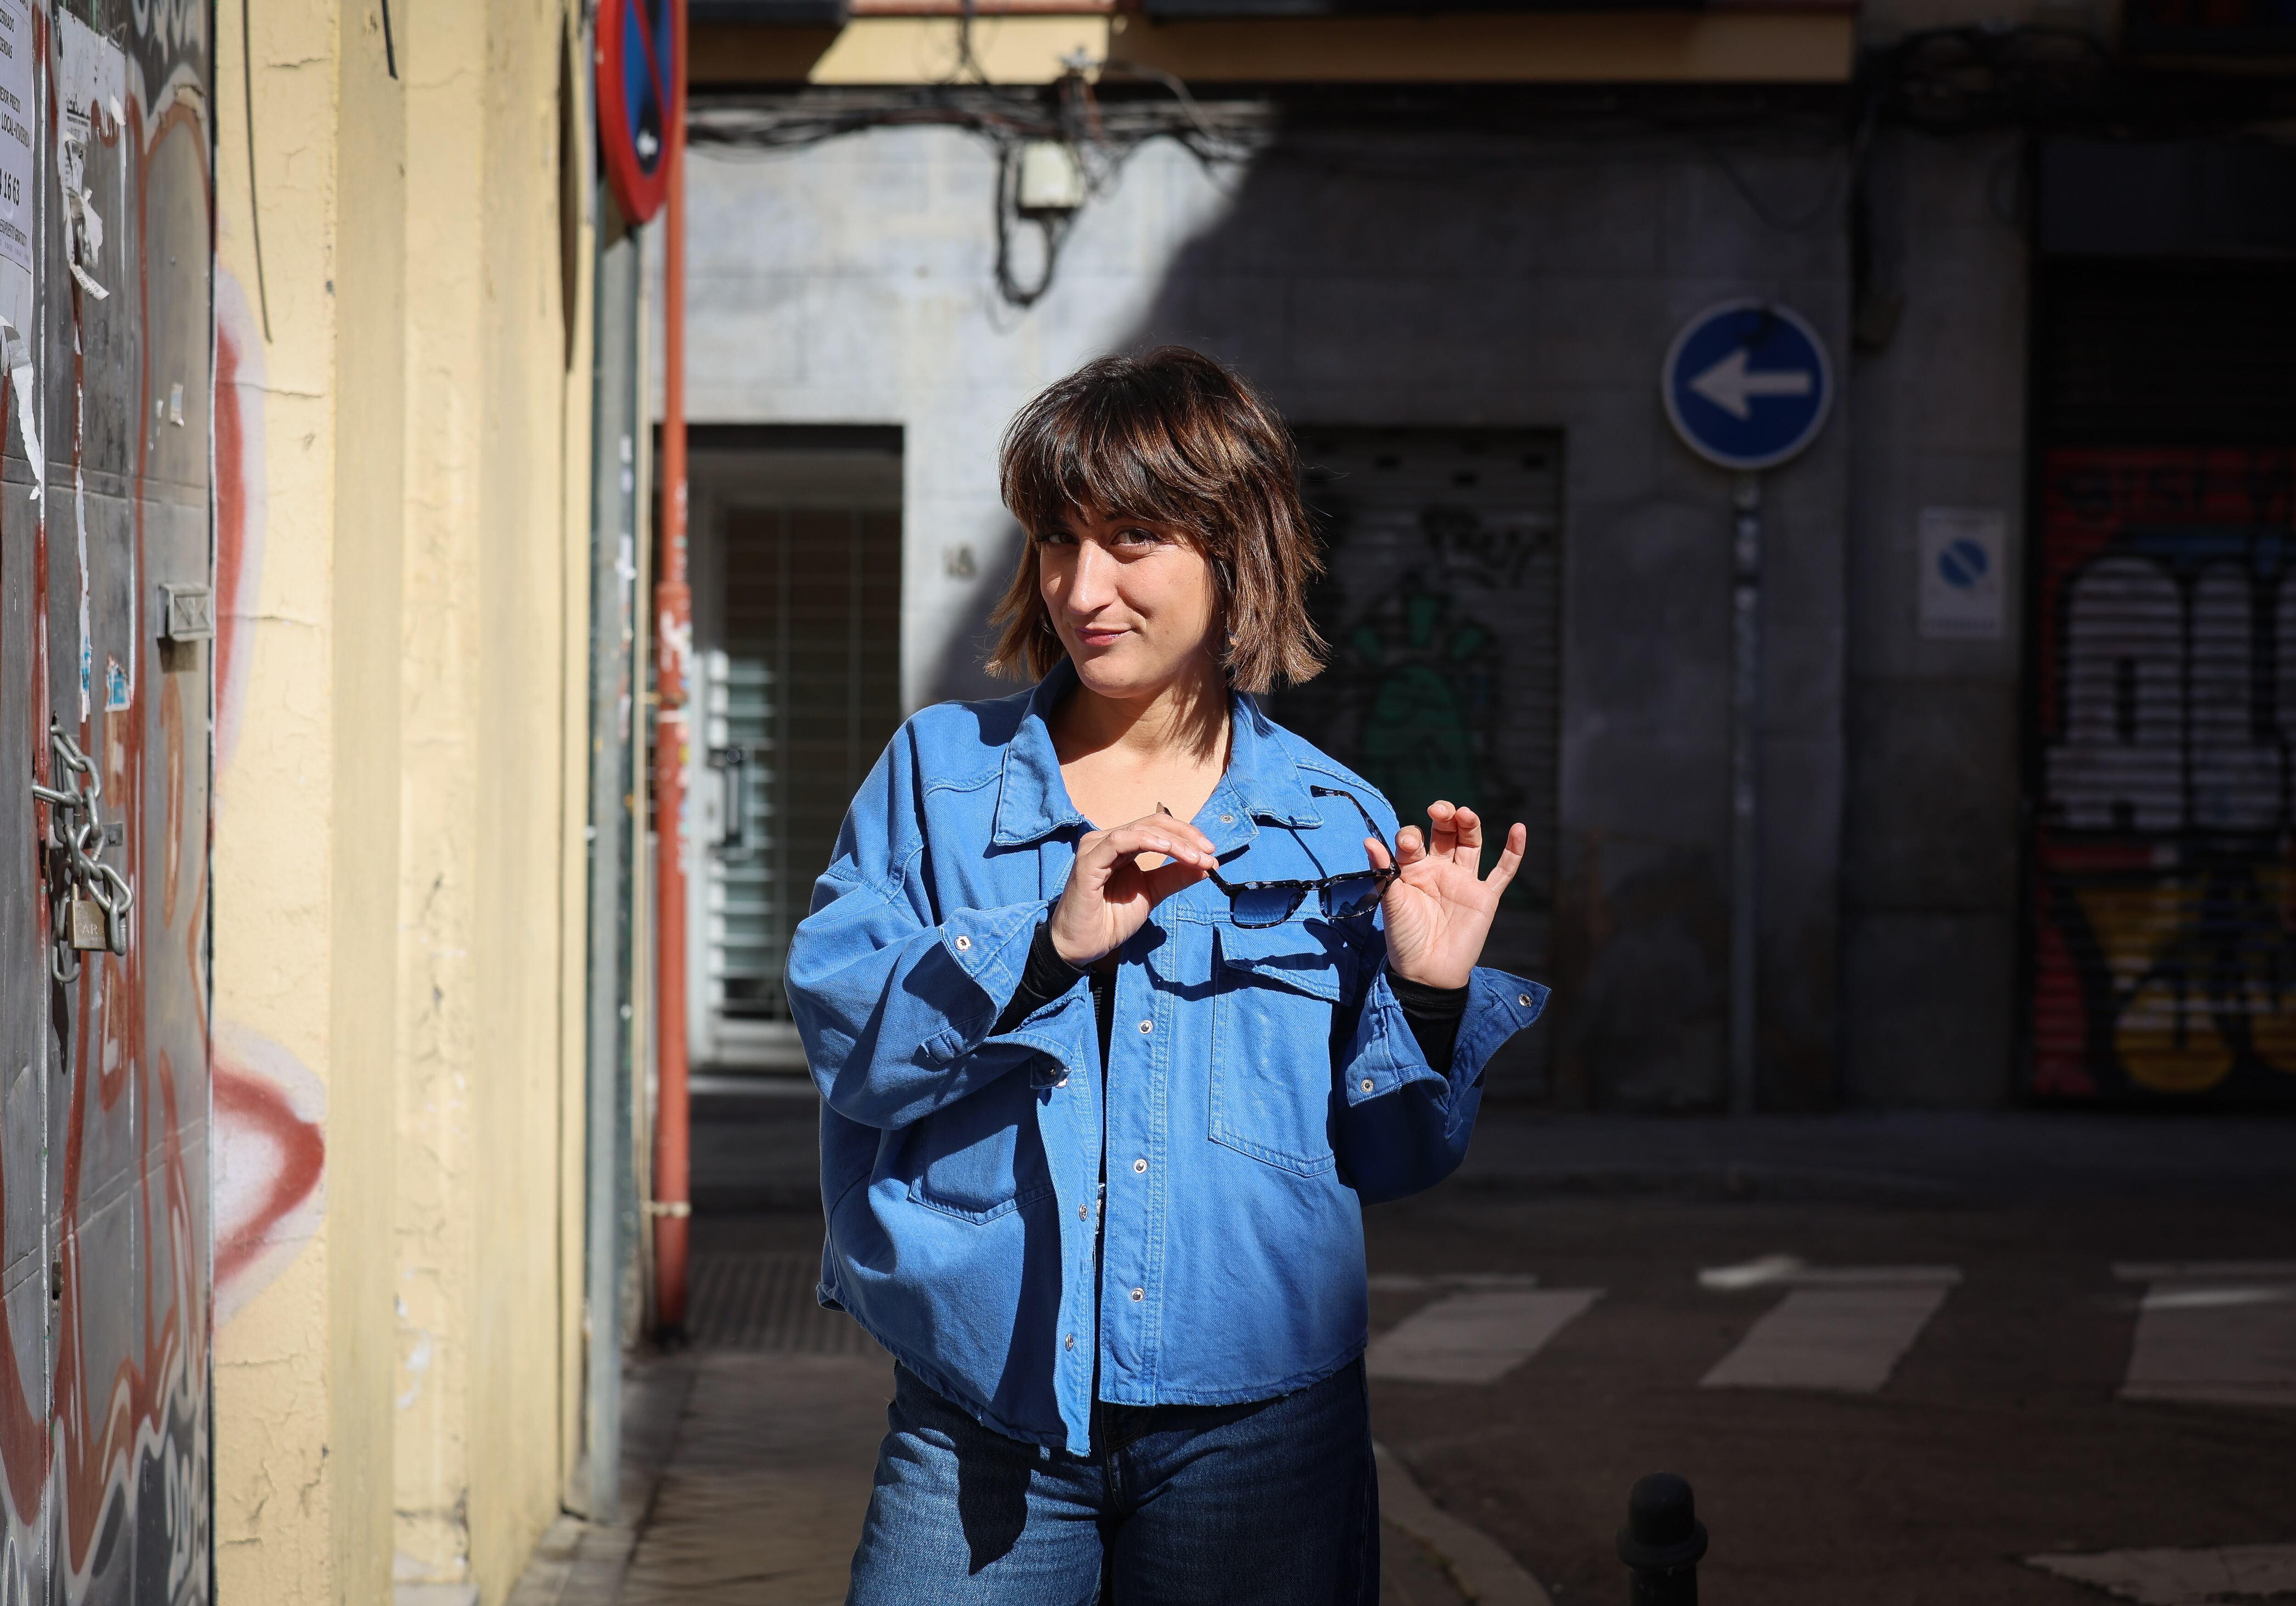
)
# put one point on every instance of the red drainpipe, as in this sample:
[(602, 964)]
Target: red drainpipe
[(673, 639)]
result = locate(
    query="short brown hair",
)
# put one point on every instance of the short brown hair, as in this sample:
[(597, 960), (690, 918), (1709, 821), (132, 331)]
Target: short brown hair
[(1169, 438)]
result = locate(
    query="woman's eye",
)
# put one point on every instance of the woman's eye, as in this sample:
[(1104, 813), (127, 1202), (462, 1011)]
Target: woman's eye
[(1054, 537), (1140, 537)]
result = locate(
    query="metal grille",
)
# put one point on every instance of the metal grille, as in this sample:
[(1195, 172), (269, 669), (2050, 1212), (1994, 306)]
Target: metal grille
[(765, 1302), (1440, 606), (806, 694), (2164, 916)]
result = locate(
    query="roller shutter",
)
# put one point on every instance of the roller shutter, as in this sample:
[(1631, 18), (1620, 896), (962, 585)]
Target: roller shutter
[(1440, 608), (2162, 956)]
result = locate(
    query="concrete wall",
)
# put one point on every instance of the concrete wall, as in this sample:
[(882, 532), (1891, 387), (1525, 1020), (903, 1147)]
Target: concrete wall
[(400, 542), (1393, 279), (1929, 924)]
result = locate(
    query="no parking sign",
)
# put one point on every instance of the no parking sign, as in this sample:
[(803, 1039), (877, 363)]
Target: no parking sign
[(638, 75)]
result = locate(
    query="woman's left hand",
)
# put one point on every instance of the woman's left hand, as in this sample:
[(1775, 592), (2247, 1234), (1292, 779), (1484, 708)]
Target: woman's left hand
[(1439, 910)]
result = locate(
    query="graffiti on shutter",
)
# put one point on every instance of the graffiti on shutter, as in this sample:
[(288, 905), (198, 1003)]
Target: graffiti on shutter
[(2164, 910), (106, 226)]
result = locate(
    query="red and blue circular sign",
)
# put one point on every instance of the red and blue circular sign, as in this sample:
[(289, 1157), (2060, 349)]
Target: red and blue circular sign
[(638, 102)]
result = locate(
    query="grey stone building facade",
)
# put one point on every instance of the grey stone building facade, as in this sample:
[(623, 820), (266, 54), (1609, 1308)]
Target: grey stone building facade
[(1461, 297)]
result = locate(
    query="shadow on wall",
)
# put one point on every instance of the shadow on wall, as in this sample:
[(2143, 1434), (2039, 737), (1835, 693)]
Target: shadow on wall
[(964, 676), (1506, 286)]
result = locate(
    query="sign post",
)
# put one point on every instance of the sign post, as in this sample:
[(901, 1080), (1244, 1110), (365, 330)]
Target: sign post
[(1747, 386)]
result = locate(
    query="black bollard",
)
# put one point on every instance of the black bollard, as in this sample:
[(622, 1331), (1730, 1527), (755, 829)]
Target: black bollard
[(1661, 1542)]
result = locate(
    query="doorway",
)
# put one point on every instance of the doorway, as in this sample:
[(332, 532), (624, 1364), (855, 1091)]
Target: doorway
[(796, 556)]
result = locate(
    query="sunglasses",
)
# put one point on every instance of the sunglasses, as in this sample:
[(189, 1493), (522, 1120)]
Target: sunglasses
[(1255, 904)]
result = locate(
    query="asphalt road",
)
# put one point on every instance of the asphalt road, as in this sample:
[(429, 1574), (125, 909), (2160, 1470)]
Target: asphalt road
[(1937, 1347), (1998, 1433)]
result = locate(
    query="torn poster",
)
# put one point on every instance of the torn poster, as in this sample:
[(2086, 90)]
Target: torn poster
[(93, 72), (16, 132), (16, 352)]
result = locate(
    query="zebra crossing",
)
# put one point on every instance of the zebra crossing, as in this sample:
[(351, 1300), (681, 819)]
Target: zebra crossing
[(2213, 1333)]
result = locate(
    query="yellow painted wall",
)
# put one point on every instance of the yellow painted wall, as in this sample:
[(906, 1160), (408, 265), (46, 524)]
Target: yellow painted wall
[(1811, 44), (398, 914)]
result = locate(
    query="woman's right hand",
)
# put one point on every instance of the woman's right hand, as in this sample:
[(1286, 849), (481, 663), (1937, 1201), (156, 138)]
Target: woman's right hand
[(1109, 894)]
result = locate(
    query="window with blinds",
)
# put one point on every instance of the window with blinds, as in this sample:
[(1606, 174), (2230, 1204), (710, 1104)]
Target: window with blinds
[(798, 551)]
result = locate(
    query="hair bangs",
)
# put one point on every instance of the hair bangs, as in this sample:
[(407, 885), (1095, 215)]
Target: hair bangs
[(1174, 439)]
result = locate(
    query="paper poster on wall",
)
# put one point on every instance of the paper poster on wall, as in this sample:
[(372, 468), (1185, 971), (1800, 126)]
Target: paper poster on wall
[(1963, 552), (16, 119), (93, 73)]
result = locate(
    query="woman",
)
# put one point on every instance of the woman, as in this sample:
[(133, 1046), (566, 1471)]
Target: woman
[(1119, 1017)]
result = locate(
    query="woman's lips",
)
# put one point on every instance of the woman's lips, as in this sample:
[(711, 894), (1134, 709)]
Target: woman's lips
[(1091, 638)]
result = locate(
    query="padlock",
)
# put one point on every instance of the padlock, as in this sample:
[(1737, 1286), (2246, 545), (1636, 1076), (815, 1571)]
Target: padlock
[(85, 925)]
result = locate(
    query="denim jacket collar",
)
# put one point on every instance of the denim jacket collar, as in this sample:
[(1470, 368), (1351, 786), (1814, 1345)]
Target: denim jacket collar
[(1032, 800)]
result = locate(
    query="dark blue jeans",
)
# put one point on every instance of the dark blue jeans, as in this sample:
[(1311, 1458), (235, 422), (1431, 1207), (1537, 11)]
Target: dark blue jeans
[(1272, 1504)]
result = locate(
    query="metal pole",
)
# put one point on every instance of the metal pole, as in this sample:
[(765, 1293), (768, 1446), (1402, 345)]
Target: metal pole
[(609, 1226), (1663, 1541), (1745, 716), (673, 616)]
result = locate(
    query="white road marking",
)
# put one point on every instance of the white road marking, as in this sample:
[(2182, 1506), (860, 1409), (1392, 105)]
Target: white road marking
[(1789, 1272), (1410, 1282), (2182, 1577), (1841, 1328), (1475, 1336), (2221, 1333)]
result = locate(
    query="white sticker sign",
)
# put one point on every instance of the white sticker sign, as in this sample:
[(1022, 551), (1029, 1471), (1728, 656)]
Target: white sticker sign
[(1964, 550), (16, 118)]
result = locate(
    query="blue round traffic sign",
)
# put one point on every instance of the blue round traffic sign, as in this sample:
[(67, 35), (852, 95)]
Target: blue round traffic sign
[(1747, 384)]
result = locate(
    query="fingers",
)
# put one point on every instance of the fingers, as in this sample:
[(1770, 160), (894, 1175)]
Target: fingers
[(1377, 849), (1165, 879), (1510, 857), (1103, 851), (1467, 825), (1443, 836), (1410, 847)]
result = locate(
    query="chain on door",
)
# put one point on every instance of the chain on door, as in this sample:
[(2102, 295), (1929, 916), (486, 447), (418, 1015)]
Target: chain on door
[(107, 647)]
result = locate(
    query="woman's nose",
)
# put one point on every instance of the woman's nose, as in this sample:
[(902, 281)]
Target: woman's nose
[(1093, 584)]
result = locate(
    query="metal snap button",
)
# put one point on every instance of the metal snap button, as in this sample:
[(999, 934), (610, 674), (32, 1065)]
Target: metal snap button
[(1228, 819), (1523, 999), (963, 943), (1071, 1341), (1084, 1212), (1146, 1026), (1139, 1294), (1139, 1165), (1366, 1084)]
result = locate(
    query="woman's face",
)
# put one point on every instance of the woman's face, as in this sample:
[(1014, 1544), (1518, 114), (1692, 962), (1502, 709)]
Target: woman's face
[(1134, 603)]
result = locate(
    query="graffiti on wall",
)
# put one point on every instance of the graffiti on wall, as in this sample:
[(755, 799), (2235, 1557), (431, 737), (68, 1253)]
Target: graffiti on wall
[(1438, 607), (2164, 907), (105, 1318), (1440, 604)]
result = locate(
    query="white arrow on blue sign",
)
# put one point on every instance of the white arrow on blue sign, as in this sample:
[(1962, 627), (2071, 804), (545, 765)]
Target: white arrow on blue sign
[(1747, 384)]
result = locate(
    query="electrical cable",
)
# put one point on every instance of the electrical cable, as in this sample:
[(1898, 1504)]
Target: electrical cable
[(254, 204)]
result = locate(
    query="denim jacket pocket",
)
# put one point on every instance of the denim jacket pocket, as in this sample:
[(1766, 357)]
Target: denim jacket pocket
[(981, 1156), (1272, 994)]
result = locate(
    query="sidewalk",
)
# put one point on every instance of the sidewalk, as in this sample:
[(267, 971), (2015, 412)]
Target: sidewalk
[(748, 1473)]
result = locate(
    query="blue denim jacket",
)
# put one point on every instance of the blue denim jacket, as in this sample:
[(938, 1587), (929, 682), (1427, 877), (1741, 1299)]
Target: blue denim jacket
[(1262, 1085)]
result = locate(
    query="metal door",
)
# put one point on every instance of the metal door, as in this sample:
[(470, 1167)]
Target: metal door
[(2164, 908), (2161, 959), (1441, 609), (106, 668)]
